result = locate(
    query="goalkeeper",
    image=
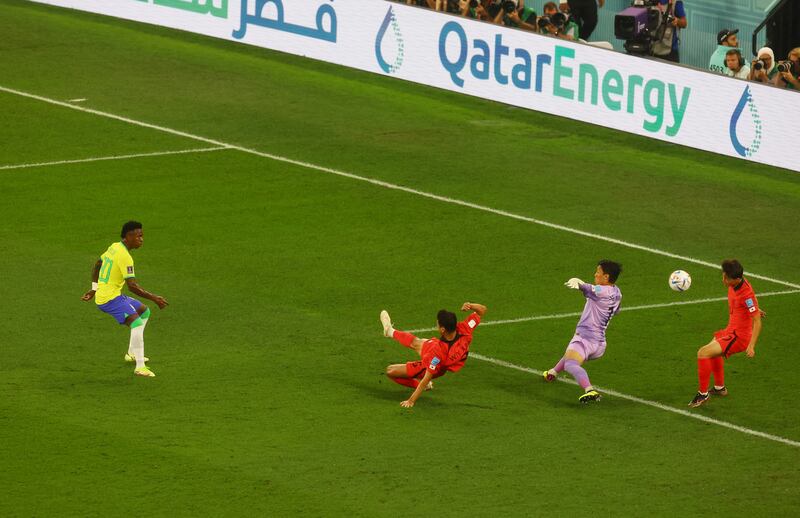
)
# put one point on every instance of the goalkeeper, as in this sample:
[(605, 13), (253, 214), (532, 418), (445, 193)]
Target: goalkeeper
[(589, 343)]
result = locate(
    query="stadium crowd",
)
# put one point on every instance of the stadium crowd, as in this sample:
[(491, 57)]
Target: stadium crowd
[(576, 20)]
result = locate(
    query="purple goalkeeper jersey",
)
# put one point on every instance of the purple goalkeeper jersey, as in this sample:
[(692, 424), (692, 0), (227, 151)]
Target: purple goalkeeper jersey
[(602, 303)]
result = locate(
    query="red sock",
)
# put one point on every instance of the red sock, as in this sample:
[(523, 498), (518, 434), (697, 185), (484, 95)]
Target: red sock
[(404, 338), (718, 367), (408, 382), (704, 373)]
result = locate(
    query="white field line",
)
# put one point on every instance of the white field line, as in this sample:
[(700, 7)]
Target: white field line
[(76, 100), (555, 316), (647, 402), (115, 157), (392, 186)]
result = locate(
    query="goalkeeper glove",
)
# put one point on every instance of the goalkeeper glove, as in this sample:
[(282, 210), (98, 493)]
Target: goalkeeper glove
[(574, 283)]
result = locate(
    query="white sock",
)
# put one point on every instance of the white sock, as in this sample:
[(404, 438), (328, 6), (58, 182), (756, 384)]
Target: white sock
[(137, 345), (130, 343)]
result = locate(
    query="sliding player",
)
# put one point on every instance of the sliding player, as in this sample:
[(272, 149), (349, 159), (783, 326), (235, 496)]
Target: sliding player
[(110, 272), (589, 343), (437, 355), (744, 326)]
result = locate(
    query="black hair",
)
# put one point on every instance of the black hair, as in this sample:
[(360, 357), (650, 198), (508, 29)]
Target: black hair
[(732, 268), (127, 227), (447, 320), (612, 268)]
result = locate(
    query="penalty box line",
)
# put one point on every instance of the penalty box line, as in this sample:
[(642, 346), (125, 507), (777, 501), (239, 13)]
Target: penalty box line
[(112, 157), (392, 186), (647, 402), (555, 316)]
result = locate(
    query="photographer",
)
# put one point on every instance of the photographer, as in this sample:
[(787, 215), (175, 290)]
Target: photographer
[(668, 40), (557, 24), (726, 40), (788, 75), (735, 65), (513, 13), (475, 9), (763, 69)]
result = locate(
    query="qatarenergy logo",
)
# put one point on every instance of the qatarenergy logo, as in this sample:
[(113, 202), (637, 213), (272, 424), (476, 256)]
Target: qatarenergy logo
[(480, 60), (746, 101), (389, 20)]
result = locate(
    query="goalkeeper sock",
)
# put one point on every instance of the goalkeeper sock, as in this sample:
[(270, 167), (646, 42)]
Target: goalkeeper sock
[(578, 372)]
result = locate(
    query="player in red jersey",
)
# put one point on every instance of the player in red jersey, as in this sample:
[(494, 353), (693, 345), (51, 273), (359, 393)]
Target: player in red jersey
[(744, 326), (437, 355)]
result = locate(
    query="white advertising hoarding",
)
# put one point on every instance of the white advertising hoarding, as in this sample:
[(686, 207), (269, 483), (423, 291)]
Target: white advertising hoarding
[(646, 97)]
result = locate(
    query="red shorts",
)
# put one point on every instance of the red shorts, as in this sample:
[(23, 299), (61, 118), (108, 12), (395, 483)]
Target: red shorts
[(731, 342), (417, 370)]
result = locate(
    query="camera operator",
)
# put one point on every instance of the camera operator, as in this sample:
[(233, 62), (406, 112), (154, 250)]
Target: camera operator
[(668, 43), (584, 14), (726, 40), (513, 13), (557, 24), (788, 75), (735, 65), (763, 69)]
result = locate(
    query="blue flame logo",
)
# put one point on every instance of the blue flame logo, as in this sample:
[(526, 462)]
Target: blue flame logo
[(390, 19), (746, 101)]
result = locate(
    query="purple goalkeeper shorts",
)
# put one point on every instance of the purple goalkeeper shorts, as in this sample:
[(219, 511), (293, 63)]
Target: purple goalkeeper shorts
[(121, 307), (588, 349)]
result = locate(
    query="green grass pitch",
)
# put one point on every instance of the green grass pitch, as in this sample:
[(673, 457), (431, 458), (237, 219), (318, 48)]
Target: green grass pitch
[(270, 398)]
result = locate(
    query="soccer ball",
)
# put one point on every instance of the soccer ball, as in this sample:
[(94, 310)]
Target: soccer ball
[(680, 280)]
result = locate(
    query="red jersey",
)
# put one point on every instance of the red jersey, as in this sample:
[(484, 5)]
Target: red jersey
[(451, 354), (742, 304)]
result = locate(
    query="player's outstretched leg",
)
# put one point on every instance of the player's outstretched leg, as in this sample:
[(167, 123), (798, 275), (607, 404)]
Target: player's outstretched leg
[(552, 374), (144, 314), (573, 366), (405, 339)]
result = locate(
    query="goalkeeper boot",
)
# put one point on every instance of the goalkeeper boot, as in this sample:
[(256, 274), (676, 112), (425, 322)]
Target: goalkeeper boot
[(549, 376), (589, 396)]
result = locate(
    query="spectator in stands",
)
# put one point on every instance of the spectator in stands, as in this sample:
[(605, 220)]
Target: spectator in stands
[(763, 69), (558, 24), (789, 78), (726, 40), (668, 46), (584, 12), (735, 65)]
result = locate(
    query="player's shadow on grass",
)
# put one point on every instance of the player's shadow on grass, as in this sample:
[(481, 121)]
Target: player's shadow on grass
[(535, 391), (386, 390)]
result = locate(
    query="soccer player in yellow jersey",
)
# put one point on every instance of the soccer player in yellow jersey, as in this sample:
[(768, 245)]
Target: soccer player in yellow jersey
[(110, 272)]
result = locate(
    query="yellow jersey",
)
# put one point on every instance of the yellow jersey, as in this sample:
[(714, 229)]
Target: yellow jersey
[(117, 266)]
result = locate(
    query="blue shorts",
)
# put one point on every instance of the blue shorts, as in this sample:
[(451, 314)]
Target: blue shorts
[(121, 307)]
